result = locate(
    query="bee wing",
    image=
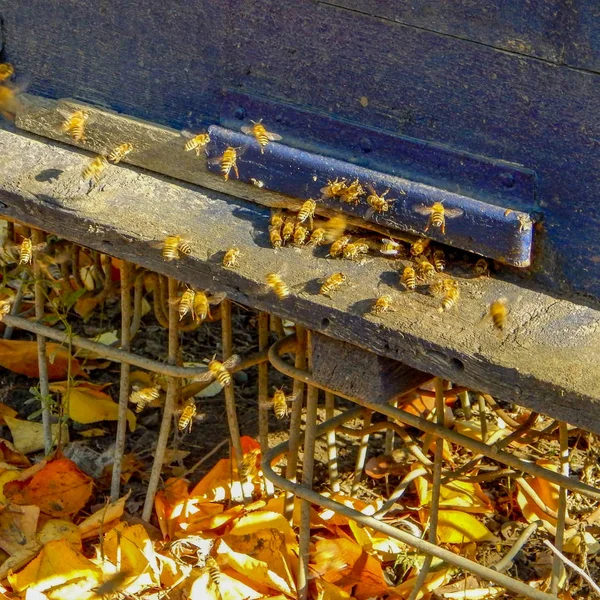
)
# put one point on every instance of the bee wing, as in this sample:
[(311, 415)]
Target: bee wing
[(370, 212), (232, 362), (186, 133), (207, 376), (247, 129), (215, 160), (217, 298), (266, 404), (422, 209), (274, 137), (451, 213)]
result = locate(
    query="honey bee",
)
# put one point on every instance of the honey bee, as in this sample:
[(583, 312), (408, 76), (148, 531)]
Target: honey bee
[(300, 235), (338, 246), (9, 100), (335, 227), (353, 193), (332, 283), (383, 304), (186, 303), (408, 279), (525, 222), (120, 152), (419, 246), (261, 135), (317, 237), (507, 212), (334, 189), (214, 572), (498, 312), (288, 229), (5, 306), (482, 268), (378, 203), (219, 370), (26, 251), (277, 219), (440, 287), (6, 71), (141, 397), (353, 250), (227, 162), (438, 214), (425, 270), (230, 258), (257, 182), (75, 122), (203, 302), (186, 418), (197, 142), (450, 299), (439, 260), (389, 247), (275, 236), (277, 284), (93, 171), (307, 212), (279, 402), (248, 468), (174, 246)]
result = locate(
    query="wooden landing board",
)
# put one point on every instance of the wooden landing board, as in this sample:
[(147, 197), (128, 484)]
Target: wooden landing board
[(546, 359)]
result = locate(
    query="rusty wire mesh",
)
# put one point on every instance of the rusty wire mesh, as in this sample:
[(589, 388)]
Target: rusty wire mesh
[(494, 457)]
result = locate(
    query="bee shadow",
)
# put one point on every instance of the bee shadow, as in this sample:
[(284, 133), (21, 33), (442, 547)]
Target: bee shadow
[(390, 278), (48, 175), (313, 286), (362, 307)]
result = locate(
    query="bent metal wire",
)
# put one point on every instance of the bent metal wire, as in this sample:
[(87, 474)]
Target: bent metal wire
[(304, 384)]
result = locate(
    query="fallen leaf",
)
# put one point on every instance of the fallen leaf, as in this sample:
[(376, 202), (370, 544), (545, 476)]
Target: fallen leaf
[(18, 525), (96, 524), (229, 588), (172, 455), (6, 476), (382, 465), (130, 465), (91, 433), (458, 527), (85, 306), (424, 405), (22, 357), (59, 489), (329, 591), (435, 578), (217, 485), (28, 436), (56, 565), (472, 429), (6, 410), (457, 495), (10, 456), (84, 405), (57, 529)]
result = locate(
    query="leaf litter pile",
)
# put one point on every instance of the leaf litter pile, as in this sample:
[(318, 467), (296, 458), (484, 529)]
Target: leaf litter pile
[(60, 538)]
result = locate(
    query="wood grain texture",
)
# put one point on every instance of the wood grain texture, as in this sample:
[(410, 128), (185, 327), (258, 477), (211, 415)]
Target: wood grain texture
[(546, 359), (168, 62)]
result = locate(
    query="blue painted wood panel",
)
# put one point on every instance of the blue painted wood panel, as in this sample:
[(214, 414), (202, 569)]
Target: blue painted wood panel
[(169, 62)]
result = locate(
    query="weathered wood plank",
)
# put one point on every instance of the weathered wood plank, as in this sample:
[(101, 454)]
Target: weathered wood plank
[(354, 66), (546, 359)]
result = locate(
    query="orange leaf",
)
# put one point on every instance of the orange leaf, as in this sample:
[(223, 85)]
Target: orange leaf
[(382, 465), (84, 307), (9, 455), (59, 488), (249, 444), (97, 523), (548, 492), (22, 357)]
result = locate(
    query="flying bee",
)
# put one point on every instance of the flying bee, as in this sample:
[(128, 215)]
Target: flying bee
[(383, 304), (219, 371), (335, 227), (317, 237), (525, 222), (94, 169), (408, 279), (26, 251), (450, 299), (227, 162), (337, 248), (332, 283), (186, 303), (174, 246), (482, 268), (288, 229), (203, 302), (6, 71), (498, 312), (230, 258), (389, 247), (300, 235), (262, 136), (187, 416), (354, 250), (275, 236), (278, 286), (279, 402), (120, 152), (425, 270), (334, 189), (378, 203), (439, 260), (353, 193), (197, 143), (438, 214), (257, 182), (9, 100), (307, 212), (249, 468), (419, 246), (75, 122), (141, 397)]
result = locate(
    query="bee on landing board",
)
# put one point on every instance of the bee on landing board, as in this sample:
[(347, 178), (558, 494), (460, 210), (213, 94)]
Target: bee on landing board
[(6, 71), (287, 231), (120, 152), (438, 214), (332, 283), (378, 203), (409, 278), (307, 212), (383, 304), (187, 416), (353, 193), (450, 298), (425, 270), (419, 246), (317, 237), (482, 268), (389, 247), (355, 250), (197, 142), (261, 135), (230, 258), (439, 260), (219, 371), (498, 313), (337, 248), (174, 247), (334, 189)]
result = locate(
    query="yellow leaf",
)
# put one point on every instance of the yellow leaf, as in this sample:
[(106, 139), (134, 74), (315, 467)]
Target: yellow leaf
[(548, 492), (5, 477), (97, 523), (86, 405), (6, 410), (57, 529), (91, 433), (458, 527), (18, 525), (84, 307), (458, 495), (229, 588), (28, 436), (56, 565), (329, 591)]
